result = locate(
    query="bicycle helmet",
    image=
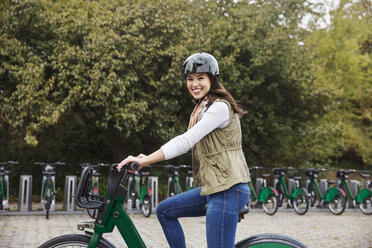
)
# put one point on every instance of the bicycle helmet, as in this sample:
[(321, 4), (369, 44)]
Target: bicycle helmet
[(199, 63)]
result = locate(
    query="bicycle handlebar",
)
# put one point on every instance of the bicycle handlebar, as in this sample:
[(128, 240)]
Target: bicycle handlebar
[(51, 164), (115, 184), (8, 163)]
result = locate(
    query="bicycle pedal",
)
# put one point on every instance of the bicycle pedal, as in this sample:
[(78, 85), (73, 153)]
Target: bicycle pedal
[(84, 225)]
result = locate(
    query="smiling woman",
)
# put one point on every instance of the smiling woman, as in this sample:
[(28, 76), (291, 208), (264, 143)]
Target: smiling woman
[(220, 170)]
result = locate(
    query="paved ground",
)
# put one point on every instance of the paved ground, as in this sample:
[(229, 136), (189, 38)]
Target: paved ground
[(318, 228)]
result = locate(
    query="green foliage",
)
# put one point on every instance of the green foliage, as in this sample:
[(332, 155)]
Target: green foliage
[(342, 63), (94, 81)]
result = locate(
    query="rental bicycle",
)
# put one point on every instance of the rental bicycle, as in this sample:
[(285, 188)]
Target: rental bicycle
[(189, 178), (174, 186), (363, 197), (48, 190), (298, 198), (111, 213), (263, 195), (4, 184), (334, 197), (139, 193)]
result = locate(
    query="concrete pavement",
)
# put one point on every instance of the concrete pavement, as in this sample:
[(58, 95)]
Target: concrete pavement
[(317, 228)]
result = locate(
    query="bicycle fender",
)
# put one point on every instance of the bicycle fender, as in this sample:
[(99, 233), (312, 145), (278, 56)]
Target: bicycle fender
[(332, 193), (270, 240), (363, 194), (266, 192), (144, 192), (298, 191), (102, 240)]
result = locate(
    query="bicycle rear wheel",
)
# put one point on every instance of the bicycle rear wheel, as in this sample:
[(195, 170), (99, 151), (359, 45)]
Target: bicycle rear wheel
[(271, 205), (301, 202), (269, 240), (337, 205), (366, 206), (74, 241)]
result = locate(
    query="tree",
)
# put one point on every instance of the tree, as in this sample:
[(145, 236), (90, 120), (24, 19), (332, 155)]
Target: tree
[(342, 64)]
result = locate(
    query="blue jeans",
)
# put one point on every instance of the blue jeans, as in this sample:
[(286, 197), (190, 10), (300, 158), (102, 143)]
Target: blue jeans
[(222, 215)]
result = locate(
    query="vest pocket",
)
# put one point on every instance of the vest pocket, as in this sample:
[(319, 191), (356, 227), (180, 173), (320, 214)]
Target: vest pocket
[(216, 171)]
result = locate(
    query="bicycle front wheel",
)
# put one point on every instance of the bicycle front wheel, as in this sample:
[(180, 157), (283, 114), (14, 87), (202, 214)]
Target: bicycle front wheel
[(337, 205), (366, 206), (270, 206), (269, 240), (74, 241), (146, 206), (301, 202)]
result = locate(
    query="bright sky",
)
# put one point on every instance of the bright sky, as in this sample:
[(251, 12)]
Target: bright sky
[(327, 5)]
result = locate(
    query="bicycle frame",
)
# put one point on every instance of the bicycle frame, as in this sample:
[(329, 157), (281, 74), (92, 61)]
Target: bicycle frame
[(362, 194), (253, 190), (116, 215), (330, 194), (281, 182)]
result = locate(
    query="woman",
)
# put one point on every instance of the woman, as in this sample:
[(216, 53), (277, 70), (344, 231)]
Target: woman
[(220, 170)]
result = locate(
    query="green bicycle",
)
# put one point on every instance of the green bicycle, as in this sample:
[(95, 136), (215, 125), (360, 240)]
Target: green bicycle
[(334, 197), (4, 184), (174, 186), (139, 194), (263, 195), (111, 213), (363, 197), (48, 189), (298, 198)]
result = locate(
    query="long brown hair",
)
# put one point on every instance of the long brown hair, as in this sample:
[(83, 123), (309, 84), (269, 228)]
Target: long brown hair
[(217, 91)]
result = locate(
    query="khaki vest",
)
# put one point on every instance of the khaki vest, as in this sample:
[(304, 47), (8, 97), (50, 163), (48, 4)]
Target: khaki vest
[(218, 160)]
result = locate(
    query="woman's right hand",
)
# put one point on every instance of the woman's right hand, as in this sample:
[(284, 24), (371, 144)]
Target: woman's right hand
[(139, 160)]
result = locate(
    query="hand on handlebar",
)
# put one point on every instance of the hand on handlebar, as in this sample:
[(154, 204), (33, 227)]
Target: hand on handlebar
[(139, 160)]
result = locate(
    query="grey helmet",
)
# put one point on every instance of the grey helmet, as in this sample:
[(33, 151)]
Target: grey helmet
[(200, 63)]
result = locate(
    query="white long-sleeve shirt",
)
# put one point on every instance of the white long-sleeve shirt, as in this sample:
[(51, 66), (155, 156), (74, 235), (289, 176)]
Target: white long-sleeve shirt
[(216, 116)]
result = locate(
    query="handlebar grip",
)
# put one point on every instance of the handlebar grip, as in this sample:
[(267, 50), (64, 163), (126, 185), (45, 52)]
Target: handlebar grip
[(133, 166)]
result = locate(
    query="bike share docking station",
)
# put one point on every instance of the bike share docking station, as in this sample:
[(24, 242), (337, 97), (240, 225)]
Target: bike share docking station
[(25, 193), (70, 190)]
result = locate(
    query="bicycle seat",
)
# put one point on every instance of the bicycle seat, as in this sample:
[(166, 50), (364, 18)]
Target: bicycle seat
[(242, 212), (297, 178), (255, 168), (364, 176), (279, 171), (265, 175), (331, 181), (145, 173)]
